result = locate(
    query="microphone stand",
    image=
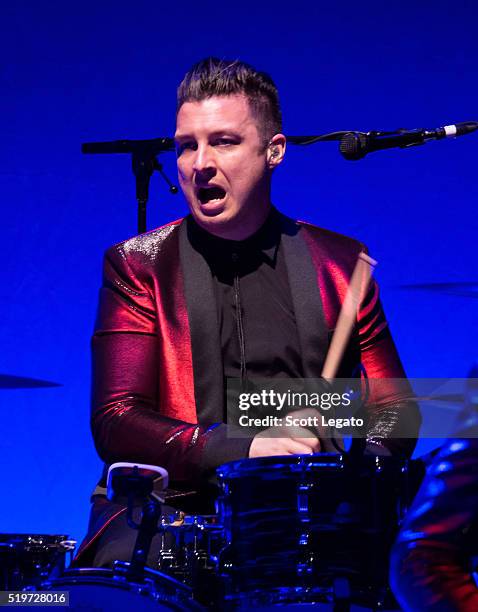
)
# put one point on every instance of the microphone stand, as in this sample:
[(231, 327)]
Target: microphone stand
[(144, 163), (353, 146)]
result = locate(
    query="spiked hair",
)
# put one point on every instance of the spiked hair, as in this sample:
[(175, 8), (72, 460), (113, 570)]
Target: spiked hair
[(215, 77)]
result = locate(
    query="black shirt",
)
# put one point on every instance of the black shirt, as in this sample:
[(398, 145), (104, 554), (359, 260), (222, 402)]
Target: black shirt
[(250, 278)]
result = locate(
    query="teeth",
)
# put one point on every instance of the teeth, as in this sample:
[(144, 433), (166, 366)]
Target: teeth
[(211, 194)]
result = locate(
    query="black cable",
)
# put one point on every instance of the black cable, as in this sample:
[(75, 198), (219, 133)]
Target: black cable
[(308, 140), (240, 326)]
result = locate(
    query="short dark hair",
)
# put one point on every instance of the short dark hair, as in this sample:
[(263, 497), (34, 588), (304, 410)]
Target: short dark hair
[(215, 77)]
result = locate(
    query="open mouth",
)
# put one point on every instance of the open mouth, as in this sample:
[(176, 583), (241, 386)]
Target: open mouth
[(211, 194)]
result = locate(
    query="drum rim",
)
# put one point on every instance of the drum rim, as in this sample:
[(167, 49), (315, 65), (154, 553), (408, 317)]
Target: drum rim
[(21, 538), (297, 463)]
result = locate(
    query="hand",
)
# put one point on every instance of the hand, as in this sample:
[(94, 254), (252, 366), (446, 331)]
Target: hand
[(276, 441)]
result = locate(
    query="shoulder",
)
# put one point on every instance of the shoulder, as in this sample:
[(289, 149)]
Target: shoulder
[(145, 249), (324, 244), (330, 239)]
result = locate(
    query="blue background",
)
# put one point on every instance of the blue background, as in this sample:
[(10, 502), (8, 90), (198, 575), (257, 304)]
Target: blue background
[(75, 72)]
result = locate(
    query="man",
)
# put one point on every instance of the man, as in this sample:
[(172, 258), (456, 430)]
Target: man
[(235, 290)]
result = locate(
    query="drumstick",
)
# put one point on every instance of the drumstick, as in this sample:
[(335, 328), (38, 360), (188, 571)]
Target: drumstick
[(348, 313)]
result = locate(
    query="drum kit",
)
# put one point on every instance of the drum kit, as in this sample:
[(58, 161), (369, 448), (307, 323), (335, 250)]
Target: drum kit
[(295, 531)]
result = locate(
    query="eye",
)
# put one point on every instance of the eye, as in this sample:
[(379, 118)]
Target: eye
[(183, 146), (225, 141)]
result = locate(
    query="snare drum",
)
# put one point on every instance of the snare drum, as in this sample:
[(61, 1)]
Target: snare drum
[(296, 525)]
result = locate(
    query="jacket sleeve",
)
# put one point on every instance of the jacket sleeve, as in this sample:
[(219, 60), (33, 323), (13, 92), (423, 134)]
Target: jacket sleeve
[(430, 563), (394, 418), (125, 418)]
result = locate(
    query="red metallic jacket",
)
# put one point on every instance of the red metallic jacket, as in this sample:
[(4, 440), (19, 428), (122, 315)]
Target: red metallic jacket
[(157, 367)]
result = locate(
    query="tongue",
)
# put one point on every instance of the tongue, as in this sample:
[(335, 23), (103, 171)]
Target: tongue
[(213, 193)]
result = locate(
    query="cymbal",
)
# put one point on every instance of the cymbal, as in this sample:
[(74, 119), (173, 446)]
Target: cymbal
[(467, 289), (19, 382)]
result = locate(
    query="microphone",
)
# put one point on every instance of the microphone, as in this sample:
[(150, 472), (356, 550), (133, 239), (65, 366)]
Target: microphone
[(356, 145)]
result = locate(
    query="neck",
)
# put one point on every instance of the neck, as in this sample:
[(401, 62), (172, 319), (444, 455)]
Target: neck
[(242, 228)]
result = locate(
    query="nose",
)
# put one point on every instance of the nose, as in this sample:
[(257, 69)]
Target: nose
[(204, 161)]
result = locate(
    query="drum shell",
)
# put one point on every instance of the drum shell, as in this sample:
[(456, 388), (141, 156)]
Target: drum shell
[(301, 521)]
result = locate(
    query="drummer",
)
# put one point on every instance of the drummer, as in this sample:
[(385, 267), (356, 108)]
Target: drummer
[(235, 290)]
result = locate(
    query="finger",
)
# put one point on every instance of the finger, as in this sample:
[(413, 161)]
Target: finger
[(294, 447), (311, 443)]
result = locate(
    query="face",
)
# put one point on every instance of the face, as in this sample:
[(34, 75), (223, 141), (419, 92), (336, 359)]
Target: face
[(223, 169)]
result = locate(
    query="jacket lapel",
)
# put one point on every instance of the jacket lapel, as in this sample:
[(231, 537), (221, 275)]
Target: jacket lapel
[(306, 298), (204, 329)]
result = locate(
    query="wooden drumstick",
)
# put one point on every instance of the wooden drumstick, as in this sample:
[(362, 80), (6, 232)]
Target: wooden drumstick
[(348, 314)]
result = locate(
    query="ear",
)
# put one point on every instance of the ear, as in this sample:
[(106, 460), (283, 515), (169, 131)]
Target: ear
[(276, 150)]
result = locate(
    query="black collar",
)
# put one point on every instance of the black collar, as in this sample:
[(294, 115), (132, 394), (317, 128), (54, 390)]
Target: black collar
[(263, 244)]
